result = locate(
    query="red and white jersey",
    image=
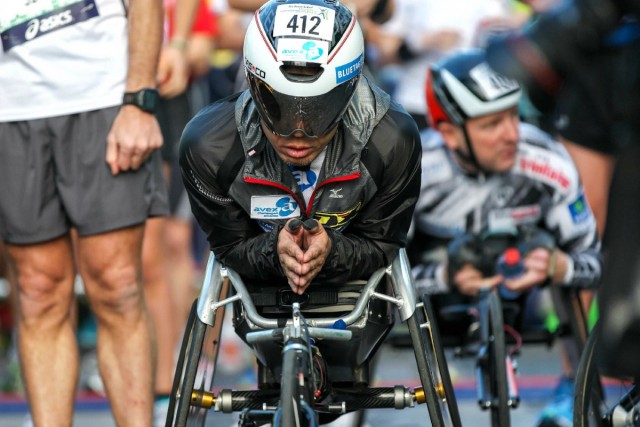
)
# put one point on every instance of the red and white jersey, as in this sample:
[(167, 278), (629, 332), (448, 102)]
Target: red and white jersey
[(542, 189)]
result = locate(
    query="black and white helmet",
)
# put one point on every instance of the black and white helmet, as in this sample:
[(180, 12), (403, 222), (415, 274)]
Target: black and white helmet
[(463, 86), (303, 60)]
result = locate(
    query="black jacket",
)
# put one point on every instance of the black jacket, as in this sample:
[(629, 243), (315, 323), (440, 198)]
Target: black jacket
[(365, 195)]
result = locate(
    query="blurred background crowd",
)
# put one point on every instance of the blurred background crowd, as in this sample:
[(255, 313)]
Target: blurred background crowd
[(403, 38)]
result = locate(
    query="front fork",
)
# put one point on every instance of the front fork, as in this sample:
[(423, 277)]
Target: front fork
[(485, 399)]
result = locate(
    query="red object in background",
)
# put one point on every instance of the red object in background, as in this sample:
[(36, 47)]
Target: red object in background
[(204, 23)]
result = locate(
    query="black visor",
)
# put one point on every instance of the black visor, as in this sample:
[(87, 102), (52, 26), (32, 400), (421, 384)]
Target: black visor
[(313, 115)]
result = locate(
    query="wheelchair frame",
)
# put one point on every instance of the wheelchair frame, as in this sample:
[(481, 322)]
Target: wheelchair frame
[(495, 373), (190, 402)]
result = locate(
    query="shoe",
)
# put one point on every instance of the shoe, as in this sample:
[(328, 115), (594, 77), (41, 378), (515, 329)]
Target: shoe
[(559, 412), (90, 378), (27, 421), (160, 411)]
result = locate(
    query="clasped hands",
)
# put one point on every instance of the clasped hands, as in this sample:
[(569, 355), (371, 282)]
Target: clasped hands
[(303, 248)]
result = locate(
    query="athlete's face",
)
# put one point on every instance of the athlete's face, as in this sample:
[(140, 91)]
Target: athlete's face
[(298, 149), (494, 139)]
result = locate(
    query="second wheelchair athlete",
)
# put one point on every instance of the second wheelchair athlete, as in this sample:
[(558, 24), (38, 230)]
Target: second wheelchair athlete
[(485, 170)]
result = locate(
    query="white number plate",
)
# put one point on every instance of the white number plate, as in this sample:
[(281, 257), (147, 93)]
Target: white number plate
[(304, 20)]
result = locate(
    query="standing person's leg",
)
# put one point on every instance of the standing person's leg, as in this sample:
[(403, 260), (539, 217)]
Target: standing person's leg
[(35, 230), (111, 267), (46, 337), (109, 212), (160, 300), (595, 169), (159, 286)]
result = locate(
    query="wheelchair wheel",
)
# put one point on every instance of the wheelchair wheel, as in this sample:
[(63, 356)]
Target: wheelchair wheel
[(495, 376), (194, 374), (588, 399), (432, 366)]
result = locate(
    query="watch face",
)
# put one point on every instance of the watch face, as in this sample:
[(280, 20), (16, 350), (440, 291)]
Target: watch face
[(145, 99), (149, 100)]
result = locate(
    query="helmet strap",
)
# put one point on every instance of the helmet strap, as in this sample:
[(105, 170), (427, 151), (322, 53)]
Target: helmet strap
[(469, 158)]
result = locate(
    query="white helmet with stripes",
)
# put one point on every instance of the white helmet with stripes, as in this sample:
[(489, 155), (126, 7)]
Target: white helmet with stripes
[(303, 60), (463, 86)]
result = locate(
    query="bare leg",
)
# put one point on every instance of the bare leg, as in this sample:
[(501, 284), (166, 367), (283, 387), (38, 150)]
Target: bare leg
[(46, 338), (110, 265), (183, 276), (160, 300), (595, 171)]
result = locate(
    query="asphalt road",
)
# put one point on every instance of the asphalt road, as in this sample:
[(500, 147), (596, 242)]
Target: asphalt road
[(538, 370)]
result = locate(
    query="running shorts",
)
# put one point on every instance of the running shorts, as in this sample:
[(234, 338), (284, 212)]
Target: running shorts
[(53, 176), (173, 115)]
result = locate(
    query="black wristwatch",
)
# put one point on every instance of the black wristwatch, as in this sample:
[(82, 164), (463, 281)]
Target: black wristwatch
[(145, 99)]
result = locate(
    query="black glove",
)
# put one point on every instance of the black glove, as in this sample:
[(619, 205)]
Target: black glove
[(533, 237), (462, 250)]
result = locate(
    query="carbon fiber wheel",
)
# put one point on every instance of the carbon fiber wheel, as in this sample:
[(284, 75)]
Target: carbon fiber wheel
[(190, 394)]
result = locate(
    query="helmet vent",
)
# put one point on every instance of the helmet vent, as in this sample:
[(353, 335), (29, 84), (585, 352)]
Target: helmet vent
[(301, 72)]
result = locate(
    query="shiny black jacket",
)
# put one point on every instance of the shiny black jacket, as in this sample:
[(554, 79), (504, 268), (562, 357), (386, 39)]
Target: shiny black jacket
[(365, 195)]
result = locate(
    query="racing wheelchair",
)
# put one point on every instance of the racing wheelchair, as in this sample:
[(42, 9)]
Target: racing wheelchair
[(492, 327), (601, 398), (314, 352)]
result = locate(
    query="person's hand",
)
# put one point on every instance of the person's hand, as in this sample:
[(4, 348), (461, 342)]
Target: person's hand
[(290, 251), (538, 265), (134, 135), (302, 250), (173, 72), (316, 245), (469, 280)]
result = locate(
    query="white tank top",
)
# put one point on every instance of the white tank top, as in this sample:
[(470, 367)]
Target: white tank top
[(61, 57)]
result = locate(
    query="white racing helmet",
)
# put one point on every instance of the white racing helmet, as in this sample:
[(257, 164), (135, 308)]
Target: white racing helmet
[(463, 86), (303, 60)]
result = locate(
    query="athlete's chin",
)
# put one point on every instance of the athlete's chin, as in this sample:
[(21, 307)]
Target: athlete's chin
[(505, 165), (293, 161), (298, 159)]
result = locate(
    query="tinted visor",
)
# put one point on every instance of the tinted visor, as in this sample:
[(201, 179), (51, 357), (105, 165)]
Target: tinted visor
[(313, 115)]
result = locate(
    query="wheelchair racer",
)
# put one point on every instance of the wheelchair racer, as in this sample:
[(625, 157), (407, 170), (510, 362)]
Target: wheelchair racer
[(312, 138), (482, 170)]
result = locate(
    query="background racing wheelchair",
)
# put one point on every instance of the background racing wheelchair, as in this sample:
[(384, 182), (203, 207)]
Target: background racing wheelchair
[(493, 326)]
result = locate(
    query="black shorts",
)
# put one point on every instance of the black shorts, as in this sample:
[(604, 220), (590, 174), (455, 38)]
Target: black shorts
[(173, 115), (54, 176)]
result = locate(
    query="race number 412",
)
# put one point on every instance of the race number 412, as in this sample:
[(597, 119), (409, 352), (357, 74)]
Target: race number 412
[(304, 20)]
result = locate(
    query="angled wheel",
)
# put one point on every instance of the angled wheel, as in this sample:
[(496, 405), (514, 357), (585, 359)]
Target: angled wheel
[(438, 390), (495, 376), (588, 400), (190, 397)]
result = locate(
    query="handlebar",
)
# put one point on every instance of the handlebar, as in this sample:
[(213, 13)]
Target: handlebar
[(319, 333), (216, 274), (483, 250), (253, 316)]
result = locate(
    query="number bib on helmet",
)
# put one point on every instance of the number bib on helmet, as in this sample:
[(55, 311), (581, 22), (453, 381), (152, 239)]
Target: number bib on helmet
[(493, 85), (302, 20)]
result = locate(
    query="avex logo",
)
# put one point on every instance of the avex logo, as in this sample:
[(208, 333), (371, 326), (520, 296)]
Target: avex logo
[(311, 51), (274, 207), (286, 206), (337, 219)]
